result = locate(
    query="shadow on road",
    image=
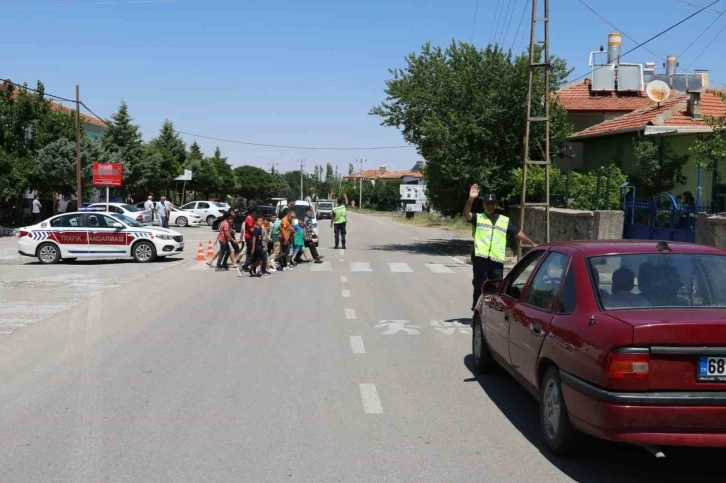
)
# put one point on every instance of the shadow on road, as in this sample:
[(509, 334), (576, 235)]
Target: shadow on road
[(110, 261), (597, 460), (453, 247), (461, 320)]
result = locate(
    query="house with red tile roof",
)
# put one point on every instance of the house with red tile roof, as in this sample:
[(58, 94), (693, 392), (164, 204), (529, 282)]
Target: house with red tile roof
[(674, 123), (408, 176)]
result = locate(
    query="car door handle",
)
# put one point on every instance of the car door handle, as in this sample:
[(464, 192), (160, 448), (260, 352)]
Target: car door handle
[(536, 329)]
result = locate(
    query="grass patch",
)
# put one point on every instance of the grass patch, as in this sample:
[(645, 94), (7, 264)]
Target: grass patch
[(432, 220)]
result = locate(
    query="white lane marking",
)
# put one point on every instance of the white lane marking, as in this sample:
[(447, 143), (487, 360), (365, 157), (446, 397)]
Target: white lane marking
[(350, 314), (322, 267), (360, 267), (438, 268), (343, 279), (345, 293), (400, 267), (378, 221), (342, 253), (449, 328), (356, 344), (394, 326), (342, 260), (371, 401)]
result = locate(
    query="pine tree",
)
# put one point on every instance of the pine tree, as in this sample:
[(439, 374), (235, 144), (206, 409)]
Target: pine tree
[(122, 139)]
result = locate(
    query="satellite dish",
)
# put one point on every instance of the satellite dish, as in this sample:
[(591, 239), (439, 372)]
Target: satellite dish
[(658, 91)]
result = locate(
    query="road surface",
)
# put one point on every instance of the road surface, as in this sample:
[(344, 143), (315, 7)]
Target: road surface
[(357, 369)]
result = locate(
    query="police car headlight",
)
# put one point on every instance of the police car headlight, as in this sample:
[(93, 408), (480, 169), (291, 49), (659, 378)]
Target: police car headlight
[(165, 237)]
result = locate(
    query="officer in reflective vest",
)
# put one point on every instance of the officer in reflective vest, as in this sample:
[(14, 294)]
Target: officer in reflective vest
[(490, 240), (338, 221)]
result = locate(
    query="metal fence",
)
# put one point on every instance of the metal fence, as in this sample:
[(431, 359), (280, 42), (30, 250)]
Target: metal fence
[(662, 217)]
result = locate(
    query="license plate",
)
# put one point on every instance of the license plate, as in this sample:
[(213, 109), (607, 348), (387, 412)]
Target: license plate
[(711, 369)]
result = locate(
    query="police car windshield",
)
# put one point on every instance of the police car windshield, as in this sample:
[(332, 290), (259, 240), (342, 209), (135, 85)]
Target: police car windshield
[(127, 220)]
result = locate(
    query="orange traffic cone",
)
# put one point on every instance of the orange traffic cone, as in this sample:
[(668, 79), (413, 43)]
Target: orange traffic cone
[(200, 253), (210, 249)]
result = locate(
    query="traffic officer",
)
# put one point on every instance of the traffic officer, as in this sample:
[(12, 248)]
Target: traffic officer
[(491, 231), (338, 220)]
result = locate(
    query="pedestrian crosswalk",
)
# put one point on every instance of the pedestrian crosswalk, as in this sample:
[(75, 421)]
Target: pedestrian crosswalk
[(396, 268)]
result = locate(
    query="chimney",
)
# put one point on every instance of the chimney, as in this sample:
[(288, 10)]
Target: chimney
[(670, 65), (693, 106), (615, 41), (705, 78), (382, 168)]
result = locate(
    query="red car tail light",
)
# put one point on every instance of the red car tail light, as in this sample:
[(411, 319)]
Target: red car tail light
[(140, 218), (629, 370), (23, 233)]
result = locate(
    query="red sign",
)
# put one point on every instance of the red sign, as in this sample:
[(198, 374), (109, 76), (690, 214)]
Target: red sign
[(108, 174)]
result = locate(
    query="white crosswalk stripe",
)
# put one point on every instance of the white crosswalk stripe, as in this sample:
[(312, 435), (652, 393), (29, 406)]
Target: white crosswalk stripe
[(322, 267), (360, 267), (438, 268), (399, 268)]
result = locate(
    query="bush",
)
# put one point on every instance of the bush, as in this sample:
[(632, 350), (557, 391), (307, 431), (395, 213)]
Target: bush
[(582, 187)]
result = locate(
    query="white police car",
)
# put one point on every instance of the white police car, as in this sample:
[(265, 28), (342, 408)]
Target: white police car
[(96, 234)]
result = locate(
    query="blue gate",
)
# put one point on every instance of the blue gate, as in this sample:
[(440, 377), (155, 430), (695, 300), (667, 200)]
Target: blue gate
[(660, 218)]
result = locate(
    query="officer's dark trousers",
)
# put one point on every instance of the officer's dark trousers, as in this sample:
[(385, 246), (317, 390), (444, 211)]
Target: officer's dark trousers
[(339, 230), (484, 269)]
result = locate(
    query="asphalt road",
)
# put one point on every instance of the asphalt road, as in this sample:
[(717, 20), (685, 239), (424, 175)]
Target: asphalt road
[(357, 369)]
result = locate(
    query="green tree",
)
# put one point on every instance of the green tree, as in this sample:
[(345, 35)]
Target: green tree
[(350, 168), (224, 176), (464, 110), (195, 152), (122, 139), (329, 175), (710, 149), (386, 195), (173, 153), (255, 184), (28, 122), (657, 168)]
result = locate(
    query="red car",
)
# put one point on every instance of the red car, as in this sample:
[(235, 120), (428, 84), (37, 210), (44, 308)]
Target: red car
[(622, 340)]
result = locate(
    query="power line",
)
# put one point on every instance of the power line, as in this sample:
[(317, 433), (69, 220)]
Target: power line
[(19, 86), (473, 26), (509, 22), (495, 22), (616, 28), (95, 115), (696, 6), (706, 47), (701, 35), (319, 148), (521, 21), (652, 38)]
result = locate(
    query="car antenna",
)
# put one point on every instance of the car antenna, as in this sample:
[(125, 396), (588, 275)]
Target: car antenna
[(663, 247)]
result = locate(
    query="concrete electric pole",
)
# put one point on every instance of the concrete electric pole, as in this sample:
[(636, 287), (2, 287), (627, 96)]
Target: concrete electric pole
[(543, 150)]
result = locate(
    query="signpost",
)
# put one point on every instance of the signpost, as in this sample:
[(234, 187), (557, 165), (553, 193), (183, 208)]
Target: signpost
[(108, 174), (187, 176), (413, 197)]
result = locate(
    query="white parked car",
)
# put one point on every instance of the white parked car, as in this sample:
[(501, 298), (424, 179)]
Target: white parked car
[(142, 216), (301, 207), (178, 217), (206, 210), (93, 235)]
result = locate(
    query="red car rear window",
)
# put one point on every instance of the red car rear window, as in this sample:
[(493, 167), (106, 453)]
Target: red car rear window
[(662, 280)]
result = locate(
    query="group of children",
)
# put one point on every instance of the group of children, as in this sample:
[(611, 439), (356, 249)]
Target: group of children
[(272, 243)]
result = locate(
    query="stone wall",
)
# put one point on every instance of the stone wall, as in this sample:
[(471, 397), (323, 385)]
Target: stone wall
[(711, 230), (566, 225)]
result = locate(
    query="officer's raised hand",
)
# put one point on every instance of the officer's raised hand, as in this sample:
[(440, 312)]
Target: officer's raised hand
[(473, 194)]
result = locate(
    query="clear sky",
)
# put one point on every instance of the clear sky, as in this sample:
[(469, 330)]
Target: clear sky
[(297, 72)]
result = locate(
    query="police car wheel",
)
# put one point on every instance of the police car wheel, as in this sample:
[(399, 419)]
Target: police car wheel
[(144, 252), (48, 253), (181, 221), (210, 220)]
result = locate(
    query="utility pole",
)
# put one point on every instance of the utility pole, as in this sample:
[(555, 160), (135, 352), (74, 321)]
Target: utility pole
[(302, 163), (79, 188), (529, 119)]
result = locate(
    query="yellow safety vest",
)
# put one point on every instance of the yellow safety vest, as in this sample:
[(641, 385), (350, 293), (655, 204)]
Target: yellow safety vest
[(339, 214), (490, 241)]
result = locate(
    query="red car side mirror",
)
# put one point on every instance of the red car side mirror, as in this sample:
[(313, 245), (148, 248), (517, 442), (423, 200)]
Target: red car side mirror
[(490, 287)]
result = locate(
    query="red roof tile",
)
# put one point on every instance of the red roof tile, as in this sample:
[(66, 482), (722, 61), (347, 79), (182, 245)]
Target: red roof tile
[(672, 112), (578, 98)]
